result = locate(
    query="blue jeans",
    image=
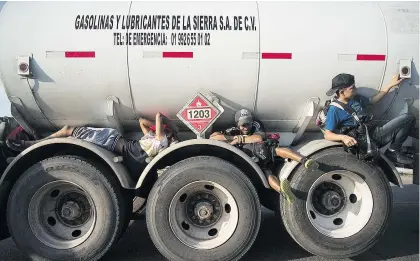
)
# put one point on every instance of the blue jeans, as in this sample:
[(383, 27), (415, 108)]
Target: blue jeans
[(106, 138), (395, 131)]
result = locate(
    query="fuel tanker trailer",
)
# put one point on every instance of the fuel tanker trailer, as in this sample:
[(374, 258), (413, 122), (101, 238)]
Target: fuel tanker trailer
[(106, 64)]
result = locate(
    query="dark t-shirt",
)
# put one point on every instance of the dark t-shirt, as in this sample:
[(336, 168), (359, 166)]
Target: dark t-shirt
[(134, 157), (257, 129)]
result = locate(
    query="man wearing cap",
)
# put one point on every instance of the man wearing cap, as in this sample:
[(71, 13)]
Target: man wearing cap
[(248, 130), (395, 131)]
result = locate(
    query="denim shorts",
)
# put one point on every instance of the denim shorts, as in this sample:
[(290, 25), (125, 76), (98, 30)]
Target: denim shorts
[(106, 138)]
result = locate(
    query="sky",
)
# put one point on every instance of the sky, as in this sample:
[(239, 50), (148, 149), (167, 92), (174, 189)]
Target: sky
[(4, 102)]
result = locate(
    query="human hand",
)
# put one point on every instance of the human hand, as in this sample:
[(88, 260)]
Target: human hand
[(395, 81), (349, 141), (236, 140), (142, 120)]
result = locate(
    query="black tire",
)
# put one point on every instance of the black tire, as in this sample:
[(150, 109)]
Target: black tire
[(100, 188), (297, 221), (210, 169)]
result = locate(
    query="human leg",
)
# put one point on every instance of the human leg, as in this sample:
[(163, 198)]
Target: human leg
[(106, 138), (395, 131), (66, 131), (287, 153)]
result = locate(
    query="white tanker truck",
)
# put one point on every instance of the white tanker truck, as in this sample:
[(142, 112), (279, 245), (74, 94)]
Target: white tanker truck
[(106, 64)]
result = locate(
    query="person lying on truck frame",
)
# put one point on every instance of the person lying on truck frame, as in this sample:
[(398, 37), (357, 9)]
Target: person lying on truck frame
[(134, 152), (248, 130), (395, 131)]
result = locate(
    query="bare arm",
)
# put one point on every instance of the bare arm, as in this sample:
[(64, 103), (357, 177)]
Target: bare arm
[(145, 125), (160, 133), (331, 136), (252, 139), (375, 99), (246, 139), (169, 123), (221, 137), (236, 139)]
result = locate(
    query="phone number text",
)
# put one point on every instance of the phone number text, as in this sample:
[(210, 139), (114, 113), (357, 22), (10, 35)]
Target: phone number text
[(190, 39)]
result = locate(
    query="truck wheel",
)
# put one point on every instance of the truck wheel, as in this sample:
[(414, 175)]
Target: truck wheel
[(203, 208), (64, 208), (342, 209)]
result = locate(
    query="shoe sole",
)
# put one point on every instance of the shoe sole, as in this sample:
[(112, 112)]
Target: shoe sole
[(311, 165), (287, 191)]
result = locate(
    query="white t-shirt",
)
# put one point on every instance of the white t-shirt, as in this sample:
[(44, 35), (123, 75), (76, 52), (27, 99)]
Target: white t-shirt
[(153, 146)]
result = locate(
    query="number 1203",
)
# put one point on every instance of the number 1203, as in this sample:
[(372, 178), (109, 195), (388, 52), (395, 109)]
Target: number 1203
[(199, 114)]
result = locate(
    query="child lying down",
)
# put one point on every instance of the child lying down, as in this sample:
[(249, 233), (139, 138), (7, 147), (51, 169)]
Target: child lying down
[(135, 153)]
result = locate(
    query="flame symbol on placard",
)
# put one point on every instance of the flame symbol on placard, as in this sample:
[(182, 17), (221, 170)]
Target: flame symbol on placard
[(198, 103)]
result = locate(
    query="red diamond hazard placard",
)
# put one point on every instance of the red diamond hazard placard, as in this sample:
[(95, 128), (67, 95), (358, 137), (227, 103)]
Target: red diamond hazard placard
[(199, 114)]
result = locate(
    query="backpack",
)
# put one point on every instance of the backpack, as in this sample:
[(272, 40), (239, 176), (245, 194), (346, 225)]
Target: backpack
[(262, 152), (366, 148), (19, 133), (321, 118)]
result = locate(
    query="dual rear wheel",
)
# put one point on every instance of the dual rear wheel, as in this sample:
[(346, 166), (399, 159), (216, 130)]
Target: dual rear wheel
[(64, 208), (202, 208), (342, 209)]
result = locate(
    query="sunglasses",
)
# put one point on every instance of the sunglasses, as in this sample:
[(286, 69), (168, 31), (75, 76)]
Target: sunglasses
[(246, 125)]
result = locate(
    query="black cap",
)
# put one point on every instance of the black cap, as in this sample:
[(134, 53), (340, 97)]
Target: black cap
[(342, 80), (243, 117)]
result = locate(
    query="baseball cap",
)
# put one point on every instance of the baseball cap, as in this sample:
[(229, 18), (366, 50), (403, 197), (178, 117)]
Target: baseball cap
[(243, 117), (342, 80)]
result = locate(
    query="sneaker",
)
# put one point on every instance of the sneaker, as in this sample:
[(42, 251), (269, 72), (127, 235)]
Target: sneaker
[(286, 191), (311, 164), (398, 157), (16, 145)]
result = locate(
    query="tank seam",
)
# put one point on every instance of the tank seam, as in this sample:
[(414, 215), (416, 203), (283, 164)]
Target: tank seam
[(259, 59), (386, 46), (130, 91)]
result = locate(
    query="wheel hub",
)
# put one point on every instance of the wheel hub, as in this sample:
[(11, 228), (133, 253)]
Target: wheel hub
[(73, 209), (328, 198), (203, 209), (70, 210), (331, 200)]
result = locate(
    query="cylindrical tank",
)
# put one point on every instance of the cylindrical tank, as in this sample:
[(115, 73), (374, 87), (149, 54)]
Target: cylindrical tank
[(269, 57)]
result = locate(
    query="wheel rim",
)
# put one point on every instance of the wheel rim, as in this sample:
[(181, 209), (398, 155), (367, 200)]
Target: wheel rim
[(61, 215), (339, 204), (203, 215)]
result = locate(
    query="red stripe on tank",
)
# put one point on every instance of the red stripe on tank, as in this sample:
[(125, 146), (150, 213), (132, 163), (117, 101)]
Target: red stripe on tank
[(370, 57), (177, 54), (276, 56), (79, 54)]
